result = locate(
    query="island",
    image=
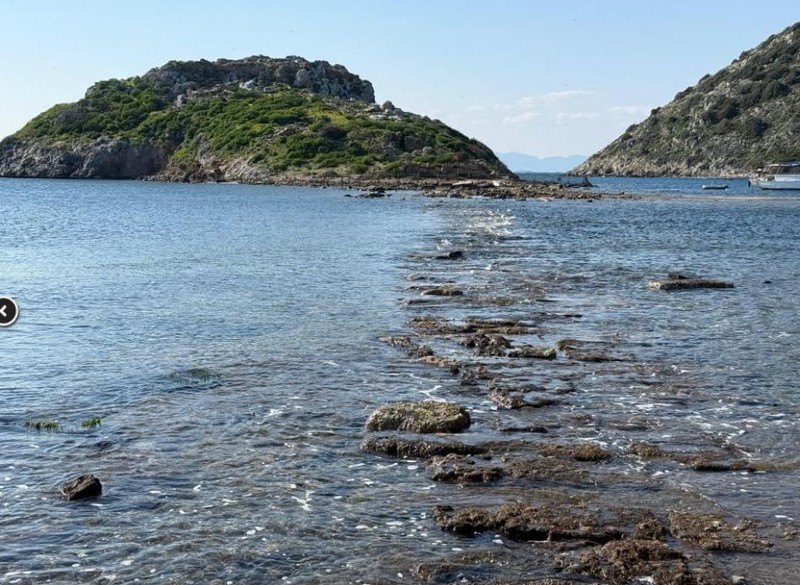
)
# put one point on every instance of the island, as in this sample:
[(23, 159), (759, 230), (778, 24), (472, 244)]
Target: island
[(252, 120)]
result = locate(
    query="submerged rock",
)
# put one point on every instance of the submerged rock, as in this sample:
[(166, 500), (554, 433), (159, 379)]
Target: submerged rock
[(452, 255), (460, 469), (577, 349), (711, 532), (428, 416), (81, 488)]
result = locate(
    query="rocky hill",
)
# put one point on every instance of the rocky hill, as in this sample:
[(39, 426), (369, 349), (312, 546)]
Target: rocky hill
[(730, 123), (255, 120)]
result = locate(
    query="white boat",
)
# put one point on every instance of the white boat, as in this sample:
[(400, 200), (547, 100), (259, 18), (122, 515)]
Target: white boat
[(779, 176)]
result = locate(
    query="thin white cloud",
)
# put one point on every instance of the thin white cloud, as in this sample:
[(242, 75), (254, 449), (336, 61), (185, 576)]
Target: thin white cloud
[(521, 118), (577, 115), (553, 97)]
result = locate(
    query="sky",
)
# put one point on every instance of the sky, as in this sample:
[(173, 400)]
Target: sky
[(544, 78)]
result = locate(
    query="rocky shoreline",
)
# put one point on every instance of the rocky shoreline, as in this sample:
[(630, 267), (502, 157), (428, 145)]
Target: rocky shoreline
[(569, 508), (375, 187), (504, 188)]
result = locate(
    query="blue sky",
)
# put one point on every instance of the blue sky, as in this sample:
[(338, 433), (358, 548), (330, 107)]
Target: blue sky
[(545, 78)]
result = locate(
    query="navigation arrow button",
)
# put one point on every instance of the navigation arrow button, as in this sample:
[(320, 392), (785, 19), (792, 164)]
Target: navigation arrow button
[(9, 311)]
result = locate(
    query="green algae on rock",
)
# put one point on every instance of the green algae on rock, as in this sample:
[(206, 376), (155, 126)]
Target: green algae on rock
[(428, 416)]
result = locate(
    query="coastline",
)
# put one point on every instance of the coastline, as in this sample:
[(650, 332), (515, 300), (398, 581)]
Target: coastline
[(496, 188)]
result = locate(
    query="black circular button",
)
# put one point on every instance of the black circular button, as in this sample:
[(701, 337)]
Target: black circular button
[(9, 311)]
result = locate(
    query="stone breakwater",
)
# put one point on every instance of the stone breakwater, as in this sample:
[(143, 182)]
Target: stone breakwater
[(532, 470)]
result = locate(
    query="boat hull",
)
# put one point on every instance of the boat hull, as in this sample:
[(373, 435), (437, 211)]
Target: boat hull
[(778, 185)]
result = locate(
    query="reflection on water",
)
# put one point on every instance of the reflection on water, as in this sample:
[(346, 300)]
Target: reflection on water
[(253, 473)]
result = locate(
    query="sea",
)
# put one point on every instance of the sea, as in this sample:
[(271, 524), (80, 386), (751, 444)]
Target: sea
[(211, 353)]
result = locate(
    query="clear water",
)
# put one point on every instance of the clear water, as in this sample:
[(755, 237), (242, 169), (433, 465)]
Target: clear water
[(248, 469)]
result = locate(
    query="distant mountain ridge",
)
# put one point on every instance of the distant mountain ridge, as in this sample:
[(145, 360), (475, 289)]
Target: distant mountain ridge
[(255, 120), (741, 118), (520, 163)]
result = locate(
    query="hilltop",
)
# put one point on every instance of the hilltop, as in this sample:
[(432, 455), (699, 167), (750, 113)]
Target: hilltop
[(257, 120), (741, 118)]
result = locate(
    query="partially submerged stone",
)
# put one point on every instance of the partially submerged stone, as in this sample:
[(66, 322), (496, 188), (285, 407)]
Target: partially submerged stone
[(430, 325), (475, 372), (404, 342), (456, 468), (506, 400), (546, 469), (626, 561), (646, 450), (452, 255), (441, 362), (581, 452), (442, 291), (417, 448), (706, 461), (501, 326), (712, 532), (533, 351), (523, 523), (688, 284), (81, 488), (513, 399), (428, 416), (487, 345)]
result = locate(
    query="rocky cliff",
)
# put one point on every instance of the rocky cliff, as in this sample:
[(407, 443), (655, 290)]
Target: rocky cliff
[(251, 120), (728, 124)]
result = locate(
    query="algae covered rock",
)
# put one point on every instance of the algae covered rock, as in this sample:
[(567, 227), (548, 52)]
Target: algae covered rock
[(81, 488), (414, 448), (428, 416)]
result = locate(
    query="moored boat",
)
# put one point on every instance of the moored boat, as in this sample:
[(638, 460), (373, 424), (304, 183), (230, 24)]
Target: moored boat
[(779, 176), (715, 187)]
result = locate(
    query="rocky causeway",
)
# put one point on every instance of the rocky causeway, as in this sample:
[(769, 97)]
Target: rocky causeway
[(572, 509)]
